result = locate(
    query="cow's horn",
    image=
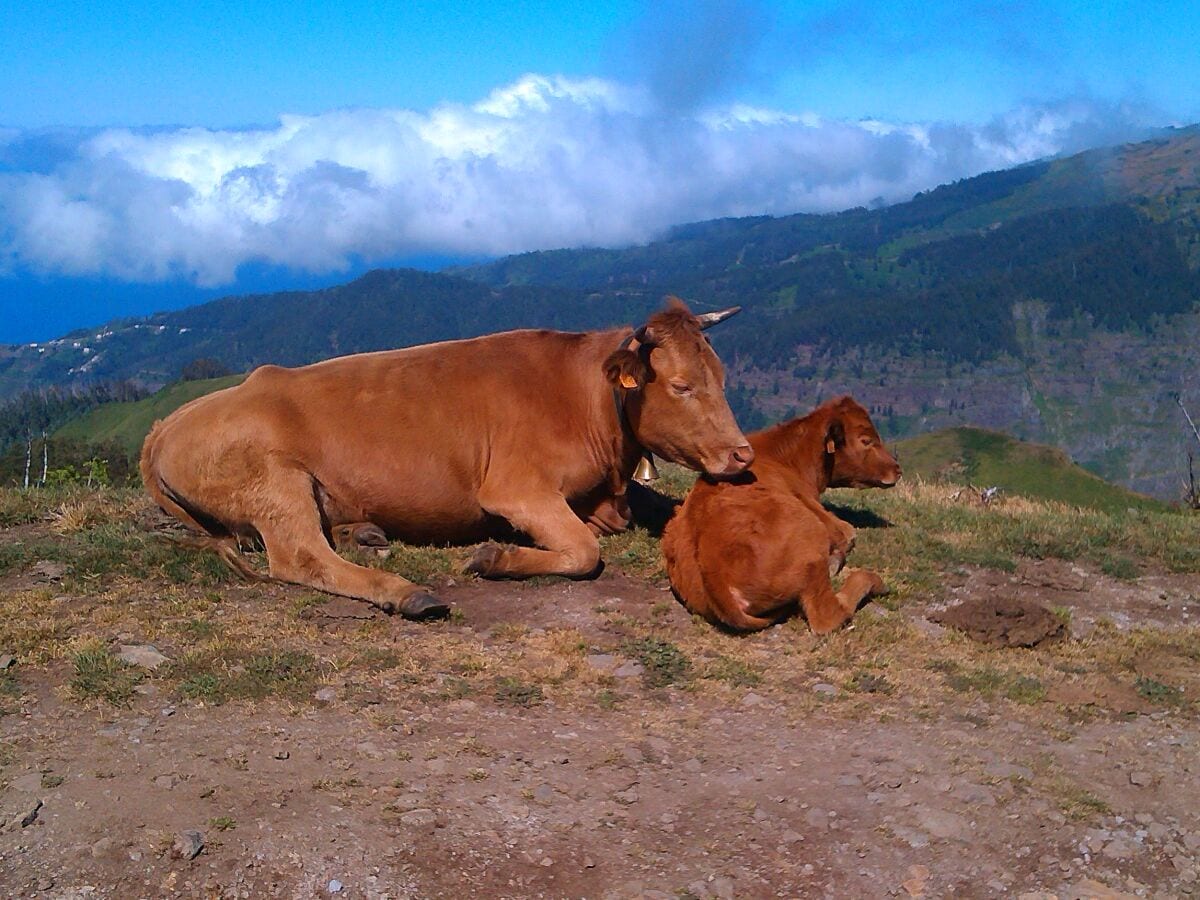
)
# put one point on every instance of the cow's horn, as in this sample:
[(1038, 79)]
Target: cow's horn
[(708, 320)]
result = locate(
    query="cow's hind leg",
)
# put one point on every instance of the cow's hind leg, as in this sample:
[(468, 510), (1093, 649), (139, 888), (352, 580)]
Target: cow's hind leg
[(570, 548), (298, 552)]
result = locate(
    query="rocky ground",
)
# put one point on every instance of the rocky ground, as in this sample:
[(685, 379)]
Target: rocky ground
[(588, 739)]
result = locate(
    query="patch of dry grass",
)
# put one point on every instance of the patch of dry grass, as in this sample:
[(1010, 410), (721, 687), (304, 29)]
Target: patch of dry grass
[(232, 642)]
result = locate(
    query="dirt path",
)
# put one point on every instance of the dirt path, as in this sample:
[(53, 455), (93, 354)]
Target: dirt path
[(400, 785)]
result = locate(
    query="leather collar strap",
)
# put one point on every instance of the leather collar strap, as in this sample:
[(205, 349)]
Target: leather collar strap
[(619, 405)]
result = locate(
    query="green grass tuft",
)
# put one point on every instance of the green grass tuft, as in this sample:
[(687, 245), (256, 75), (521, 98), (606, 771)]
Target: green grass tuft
[(516, 692), (99, 675), (664, 662)]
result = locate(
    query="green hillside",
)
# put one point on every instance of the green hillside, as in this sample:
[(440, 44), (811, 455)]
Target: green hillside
[(990, 458), (128, 423)]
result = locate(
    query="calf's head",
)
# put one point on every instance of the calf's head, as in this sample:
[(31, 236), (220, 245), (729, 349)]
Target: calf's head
[(859, 458), (673, 390)]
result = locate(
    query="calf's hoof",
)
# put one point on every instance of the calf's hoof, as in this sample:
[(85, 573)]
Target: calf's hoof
[(483, 561), (423, 606), (837, 560)]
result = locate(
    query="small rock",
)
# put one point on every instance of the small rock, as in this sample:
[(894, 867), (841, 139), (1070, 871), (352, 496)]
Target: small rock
[(144, 655), (589, 863), (543, 793), (48, 570), (825, 688), (943, 824), (188, 844), (751, 699), (102, 847), (914, 885), (28, 784), (546, 862), (167, 712), (26, 813), (326, 694), (1140, 778), (146, 690), (629, 669), (722, 887), (927, 628), (419, 818), (167, 782), (817, 818), (1008, 770), (1119, 848), (604, 663), (282, 754), (627, 796), (6, 661), (45, 884), (335, 886)]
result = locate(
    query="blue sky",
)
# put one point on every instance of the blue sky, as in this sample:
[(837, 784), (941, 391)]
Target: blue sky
[(154, 156)]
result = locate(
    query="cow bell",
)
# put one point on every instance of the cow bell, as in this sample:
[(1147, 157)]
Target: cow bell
[(645, 471)]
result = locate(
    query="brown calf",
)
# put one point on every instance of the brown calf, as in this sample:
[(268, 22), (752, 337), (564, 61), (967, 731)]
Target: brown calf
[(744, 553), (528, 431)]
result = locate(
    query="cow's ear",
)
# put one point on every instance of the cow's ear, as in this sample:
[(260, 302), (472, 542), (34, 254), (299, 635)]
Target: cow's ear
[(627, 369), (835, 436)]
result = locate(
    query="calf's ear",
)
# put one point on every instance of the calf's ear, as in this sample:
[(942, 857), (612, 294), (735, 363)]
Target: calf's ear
[(835, 435), (626, 369)]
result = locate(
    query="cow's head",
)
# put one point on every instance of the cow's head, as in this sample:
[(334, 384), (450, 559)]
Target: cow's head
[(859, 458), (673, 388)]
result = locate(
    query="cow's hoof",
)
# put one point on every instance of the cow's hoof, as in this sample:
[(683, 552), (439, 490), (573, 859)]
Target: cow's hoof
[(483, 561), (837, 560), (370, 536), (424, 606)]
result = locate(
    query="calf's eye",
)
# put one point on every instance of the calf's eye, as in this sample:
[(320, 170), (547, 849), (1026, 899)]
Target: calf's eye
[(680, 388)]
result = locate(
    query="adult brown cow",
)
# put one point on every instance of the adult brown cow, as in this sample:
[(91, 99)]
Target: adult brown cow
[(745, 552), (533, 431)]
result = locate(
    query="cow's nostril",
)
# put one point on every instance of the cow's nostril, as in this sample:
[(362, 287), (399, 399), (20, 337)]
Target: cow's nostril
[(744, 455)]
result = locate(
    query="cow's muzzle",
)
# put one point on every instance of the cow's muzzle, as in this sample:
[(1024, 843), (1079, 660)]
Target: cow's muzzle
[(738, 461)]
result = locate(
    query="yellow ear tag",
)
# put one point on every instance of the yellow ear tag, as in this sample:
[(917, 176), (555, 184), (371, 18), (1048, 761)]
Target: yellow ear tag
[(829, 447), (628, 381)]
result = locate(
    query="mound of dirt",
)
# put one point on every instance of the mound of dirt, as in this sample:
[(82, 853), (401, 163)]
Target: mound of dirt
[(1003, 621)]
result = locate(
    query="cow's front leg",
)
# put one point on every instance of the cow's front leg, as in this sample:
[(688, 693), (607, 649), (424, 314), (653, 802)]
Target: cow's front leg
[(841, 542), (566, 546), (611, 516), (841, 534)]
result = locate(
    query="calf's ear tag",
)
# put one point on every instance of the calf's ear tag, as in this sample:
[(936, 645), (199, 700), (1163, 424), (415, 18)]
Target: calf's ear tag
[(829, 447), (628, 381)]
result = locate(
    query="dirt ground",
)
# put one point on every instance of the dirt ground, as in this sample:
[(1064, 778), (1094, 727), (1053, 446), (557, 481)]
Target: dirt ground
[(896, 759)]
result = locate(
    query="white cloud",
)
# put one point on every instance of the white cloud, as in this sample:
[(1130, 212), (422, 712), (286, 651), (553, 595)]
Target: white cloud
[(545, 162)]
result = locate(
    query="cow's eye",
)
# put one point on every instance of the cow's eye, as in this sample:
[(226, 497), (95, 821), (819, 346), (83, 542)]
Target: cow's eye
[(681, 388)]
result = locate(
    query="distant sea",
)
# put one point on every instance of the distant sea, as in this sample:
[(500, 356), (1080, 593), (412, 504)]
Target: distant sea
[(38, 308)]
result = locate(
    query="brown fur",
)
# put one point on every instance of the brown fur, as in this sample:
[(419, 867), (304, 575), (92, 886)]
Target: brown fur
[(746, 553), (451, 442)]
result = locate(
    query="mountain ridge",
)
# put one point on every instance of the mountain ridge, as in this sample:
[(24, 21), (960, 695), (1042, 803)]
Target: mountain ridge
[(1057, 300)]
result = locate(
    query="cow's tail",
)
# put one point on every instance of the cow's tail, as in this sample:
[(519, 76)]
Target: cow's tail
[(207, 532), (733, 613)]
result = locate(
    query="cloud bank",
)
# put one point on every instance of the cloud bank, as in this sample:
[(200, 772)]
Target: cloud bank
[(544, 162)]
